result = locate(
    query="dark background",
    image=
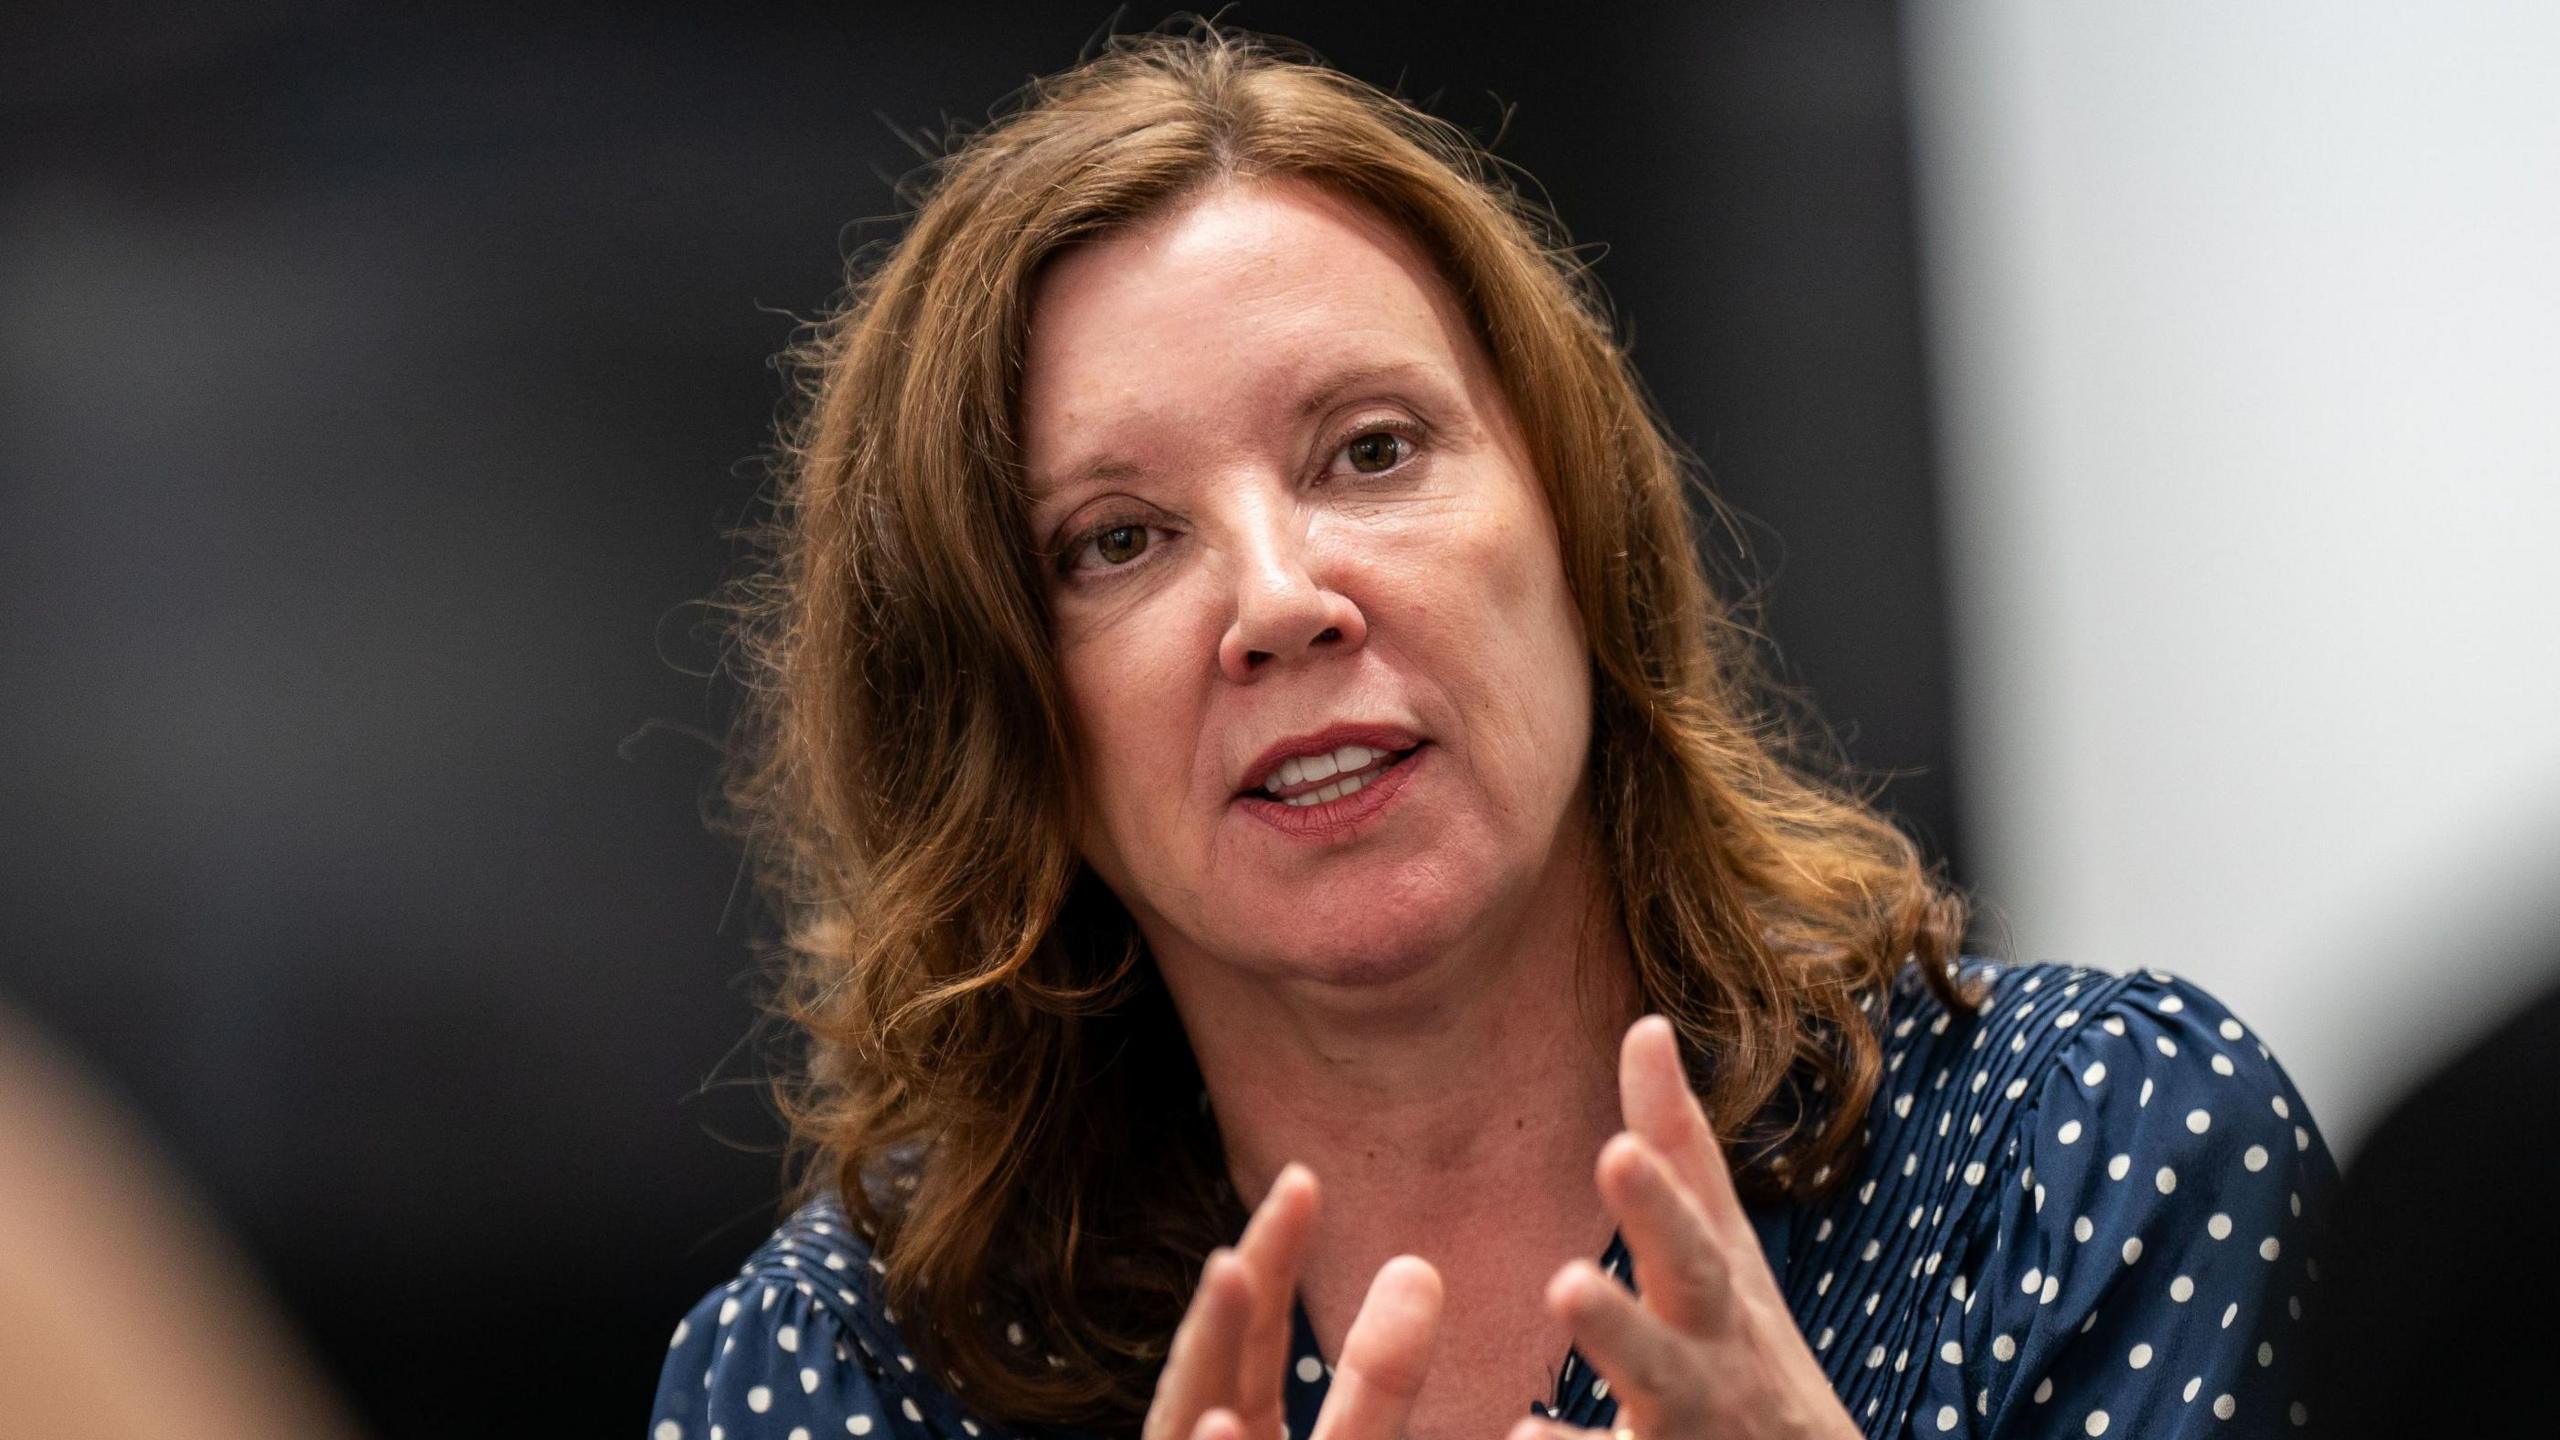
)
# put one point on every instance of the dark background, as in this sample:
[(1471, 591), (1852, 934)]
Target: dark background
[(376, 389)]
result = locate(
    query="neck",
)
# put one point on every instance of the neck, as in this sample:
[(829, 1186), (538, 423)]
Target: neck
[(1455, 1113), (1402, 1108)]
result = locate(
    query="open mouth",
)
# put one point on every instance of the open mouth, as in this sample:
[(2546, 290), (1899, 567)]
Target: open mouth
[(1309, 780)]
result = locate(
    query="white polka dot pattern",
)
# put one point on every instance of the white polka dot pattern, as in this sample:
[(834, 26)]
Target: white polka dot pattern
[(2053, 1202), (2174, 1195)]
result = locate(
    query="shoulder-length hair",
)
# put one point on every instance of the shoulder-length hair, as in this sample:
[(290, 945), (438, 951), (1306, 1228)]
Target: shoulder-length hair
[(995, 1081)]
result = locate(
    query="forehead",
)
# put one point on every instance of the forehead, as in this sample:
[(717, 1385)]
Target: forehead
[(1231, 307)]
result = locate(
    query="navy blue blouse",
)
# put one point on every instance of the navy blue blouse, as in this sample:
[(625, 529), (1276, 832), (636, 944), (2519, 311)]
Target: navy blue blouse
[(2085, 1211)]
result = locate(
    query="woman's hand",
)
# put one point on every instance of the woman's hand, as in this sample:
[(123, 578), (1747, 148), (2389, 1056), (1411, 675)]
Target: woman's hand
[(1709, 1352), (1223, 1375)]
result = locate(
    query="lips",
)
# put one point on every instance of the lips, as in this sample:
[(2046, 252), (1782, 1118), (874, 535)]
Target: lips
[(1341, 809), (1305, 763), (1319, 779)]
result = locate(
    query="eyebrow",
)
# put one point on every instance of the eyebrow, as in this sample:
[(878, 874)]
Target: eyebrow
[(1328, 389), (1332, 387)]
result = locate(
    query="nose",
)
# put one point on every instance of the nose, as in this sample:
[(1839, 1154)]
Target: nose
[(1282, 611)]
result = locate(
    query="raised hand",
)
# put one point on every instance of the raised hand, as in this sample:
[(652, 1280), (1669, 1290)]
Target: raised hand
[(1223, 1375), (1710, 1351)]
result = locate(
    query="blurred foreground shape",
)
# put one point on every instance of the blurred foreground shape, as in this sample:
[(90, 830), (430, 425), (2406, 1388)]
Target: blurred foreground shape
[(124, 1313)]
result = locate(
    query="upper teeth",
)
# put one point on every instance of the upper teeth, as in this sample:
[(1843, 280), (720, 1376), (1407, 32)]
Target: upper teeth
[(1301, 769)]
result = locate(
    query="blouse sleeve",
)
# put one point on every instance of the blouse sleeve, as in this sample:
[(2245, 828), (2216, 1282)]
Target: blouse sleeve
[(798, 1346), (758, 1361), (2150, 1263)]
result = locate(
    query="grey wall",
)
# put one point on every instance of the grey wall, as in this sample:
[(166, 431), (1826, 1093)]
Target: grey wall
[(2250, 336)]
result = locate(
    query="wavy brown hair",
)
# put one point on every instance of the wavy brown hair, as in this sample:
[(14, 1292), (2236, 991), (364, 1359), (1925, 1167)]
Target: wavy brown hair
[(995, 1080)]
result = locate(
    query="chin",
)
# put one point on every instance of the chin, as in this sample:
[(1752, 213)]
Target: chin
[(1364, 966), (1381, 942)]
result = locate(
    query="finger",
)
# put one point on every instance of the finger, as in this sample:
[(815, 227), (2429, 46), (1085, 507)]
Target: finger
[(1274, 1245), (1681, 1265), (1218, 1424), (1644, 1360), (1200, 1366), (1385, 1356), (1653, 1090)]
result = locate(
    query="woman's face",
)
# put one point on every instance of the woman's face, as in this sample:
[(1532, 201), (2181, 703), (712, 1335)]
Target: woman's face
[(1294, 521)]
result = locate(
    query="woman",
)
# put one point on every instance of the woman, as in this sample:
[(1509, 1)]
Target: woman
[(1282, 866)]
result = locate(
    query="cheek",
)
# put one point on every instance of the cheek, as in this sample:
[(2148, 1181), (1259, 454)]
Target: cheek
[(1100, 718), (1532, 678), (1134, 722)]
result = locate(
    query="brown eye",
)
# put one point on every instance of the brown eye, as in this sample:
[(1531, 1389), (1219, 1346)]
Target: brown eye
[(1120, 544), (1375, 451)]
